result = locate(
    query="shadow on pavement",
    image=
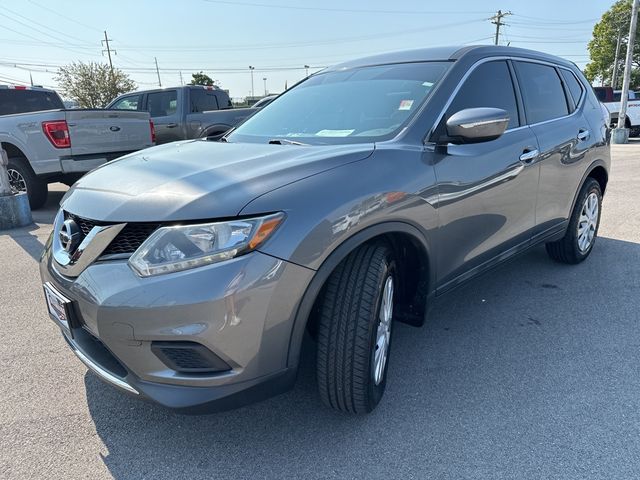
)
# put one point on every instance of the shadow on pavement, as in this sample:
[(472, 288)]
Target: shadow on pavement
[(497, 372)]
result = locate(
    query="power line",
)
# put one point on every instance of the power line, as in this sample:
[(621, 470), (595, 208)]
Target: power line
[(65, 16), (37, 30), (343, 10), (58, 32), (261, 46)]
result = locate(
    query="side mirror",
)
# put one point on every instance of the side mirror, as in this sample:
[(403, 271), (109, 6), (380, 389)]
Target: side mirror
[(475, 125)]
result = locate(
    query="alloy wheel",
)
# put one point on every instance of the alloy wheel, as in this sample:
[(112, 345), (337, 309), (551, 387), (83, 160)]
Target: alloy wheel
[(16, 181), (588, 222), (383, 335)]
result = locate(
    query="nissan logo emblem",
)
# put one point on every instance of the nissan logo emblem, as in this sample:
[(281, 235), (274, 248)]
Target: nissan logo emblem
[(69, 235)]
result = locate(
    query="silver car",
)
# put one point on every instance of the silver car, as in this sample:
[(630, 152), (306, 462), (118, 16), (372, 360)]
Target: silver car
[(188, 273)]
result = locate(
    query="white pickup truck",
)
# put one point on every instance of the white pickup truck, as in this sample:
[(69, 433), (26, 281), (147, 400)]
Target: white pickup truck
[(610, 98), (46, 143)]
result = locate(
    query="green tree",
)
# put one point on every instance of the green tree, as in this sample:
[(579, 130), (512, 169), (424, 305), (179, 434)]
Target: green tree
[(602, 47), (200, 78), (93, 85)]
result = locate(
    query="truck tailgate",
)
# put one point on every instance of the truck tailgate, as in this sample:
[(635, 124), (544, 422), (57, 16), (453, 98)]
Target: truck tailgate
[(104, 131)]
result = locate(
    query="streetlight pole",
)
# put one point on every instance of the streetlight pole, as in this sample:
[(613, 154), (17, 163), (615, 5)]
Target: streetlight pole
[(252, 69), (264, 79), (621, 134), (306, 69)]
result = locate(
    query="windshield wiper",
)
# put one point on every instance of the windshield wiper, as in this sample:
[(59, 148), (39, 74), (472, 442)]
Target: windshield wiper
[(284, 141)]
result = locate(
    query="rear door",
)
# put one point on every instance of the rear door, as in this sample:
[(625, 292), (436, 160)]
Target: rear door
[(162, 105), (554, 101), (105, 131), (487, 194), (200, 100)]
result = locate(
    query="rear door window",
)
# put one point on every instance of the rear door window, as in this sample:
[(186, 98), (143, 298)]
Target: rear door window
[(489, 85), (130, 102), (162, 104), (574, 86), (542, 92), (203, 100), (24, 101)]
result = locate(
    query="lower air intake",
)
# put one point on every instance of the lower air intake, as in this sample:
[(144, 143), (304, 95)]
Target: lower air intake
[(189, 357)]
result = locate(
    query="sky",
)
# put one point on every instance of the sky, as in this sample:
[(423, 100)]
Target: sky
[(278, 38)]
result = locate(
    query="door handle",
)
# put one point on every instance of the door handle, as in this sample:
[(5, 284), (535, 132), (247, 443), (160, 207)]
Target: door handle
[(171, 125), (583, 135), (528, 156)]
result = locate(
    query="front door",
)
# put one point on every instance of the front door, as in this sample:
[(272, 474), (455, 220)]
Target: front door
[(486, 191)]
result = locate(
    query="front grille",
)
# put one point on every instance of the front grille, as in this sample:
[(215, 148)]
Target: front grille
[(130, 238), (188, 357), (127, 241)]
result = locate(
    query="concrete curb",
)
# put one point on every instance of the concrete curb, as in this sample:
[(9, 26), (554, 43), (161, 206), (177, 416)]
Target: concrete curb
[(15, 211)]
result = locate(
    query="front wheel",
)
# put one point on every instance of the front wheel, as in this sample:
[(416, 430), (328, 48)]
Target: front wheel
[(354, 332), (577, 243)]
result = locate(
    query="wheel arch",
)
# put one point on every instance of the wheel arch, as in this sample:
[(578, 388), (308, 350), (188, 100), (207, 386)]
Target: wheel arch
[(406, 242), (598, 171), (13, 150)]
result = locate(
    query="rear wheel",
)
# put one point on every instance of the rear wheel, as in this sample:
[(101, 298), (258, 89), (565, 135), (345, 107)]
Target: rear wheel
[(22, 179), (354, 331), (582, 231)]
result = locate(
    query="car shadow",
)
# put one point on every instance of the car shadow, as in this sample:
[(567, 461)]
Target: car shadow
[(490, 363)]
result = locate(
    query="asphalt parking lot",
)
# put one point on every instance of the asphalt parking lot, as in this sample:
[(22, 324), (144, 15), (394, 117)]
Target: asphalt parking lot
[(530, 371)]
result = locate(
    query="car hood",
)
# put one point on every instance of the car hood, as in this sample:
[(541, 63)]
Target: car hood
[(198, 179)]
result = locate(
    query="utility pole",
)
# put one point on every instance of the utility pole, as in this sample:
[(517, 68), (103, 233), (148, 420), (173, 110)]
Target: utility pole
[(497, 21), (158, 72), (306, 70), (264, 79), (105, 42), (621, 134), (181, 81), (252, 69)]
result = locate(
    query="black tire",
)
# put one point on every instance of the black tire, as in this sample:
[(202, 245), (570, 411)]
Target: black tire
[(23, 179), (567, 249), (348, 327)]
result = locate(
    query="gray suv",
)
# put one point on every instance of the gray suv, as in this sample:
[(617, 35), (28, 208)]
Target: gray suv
[(189, 273)]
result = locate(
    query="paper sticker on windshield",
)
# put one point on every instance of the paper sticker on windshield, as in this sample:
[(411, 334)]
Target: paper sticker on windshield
[(405, 104), (334, 133)]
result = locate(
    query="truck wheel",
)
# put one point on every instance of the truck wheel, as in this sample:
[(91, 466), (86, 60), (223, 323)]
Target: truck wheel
[(354, 330), (22, 179), (577, 243)]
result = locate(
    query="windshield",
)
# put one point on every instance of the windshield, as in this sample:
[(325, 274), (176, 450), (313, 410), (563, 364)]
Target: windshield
[(359, 105)]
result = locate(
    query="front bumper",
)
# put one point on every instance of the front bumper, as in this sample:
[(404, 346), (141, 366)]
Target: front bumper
[(242, 310)]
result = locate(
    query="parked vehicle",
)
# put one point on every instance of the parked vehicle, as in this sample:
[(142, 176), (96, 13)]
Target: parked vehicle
[(188, 274), (48, 144), (611, 100), (180, 113), (263, 102)]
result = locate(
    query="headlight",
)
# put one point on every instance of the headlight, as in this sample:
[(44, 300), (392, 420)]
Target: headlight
[(171, 249)]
